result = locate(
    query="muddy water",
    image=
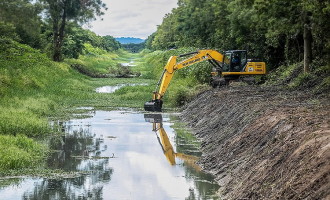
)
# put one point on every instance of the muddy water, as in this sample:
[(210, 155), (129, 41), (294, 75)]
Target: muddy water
[(122, 155)]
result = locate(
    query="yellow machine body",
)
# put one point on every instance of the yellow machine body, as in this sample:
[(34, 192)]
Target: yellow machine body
[(229, 65)]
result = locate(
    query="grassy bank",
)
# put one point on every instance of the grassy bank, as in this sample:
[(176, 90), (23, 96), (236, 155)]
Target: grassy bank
[(35, 90)]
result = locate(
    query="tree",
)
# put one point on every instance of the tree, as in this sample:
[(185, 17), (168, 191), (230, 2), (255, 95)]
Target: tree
[(23, 15), (295, 25), (60, 12)]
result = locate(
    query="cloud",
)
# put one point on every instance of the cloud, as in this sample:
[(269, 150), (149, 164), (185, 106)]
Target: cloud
[(132, 18)]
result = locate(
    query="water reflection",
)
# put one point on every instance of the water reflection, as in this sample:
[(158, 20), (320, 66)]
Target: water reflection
[(170, 154), (120, 157), (203, 182), (74, 152), (113, 88)]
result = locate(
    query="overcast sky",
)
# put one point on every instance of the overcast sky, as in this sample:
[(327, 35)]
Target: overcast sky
[(132, 18)]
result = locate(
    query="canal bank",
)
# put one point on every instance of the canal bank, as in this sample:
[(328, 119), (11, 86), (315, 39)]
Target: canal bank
[(264, 142)]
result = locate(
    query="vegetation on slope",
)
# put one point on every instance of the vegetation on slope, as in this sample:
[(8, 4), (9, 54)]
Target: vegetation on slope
[(35, 89)]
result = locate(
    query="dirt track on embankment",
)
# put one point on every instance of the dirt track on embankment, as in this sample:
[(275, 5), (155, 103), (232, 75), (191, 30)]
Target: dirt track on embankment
[(264, 143)]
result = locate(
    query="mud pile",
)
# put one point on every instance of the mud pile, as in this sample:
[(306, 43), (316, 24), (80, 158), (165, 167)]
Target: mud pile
[(264, 143)]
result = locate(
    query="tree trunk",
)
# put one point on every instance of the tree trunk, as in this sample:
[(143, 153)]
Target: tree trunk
[(55, 36), (59, 37), (307, 44)]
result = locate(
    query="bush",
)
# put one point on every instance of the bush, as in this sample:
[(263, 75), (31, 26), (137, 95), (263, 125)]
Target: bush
[(304, 81)]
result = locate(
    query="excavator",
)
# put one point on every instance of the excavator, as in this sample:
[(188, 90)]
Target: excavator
[(227, 66), (170, 154)]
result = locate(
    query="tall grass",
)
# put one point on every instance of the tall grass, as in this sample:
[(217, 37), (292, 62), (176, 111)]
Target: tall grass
[(20, 152)]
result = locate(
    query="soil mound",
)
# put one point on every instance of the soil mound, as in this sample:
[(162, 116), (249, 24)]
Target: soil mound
[(264, 143)]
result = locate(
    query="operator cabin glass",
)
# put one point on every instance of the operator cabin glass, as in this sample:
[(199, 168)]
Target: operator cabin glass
[(243, 58), (234, 61), (226, 62)]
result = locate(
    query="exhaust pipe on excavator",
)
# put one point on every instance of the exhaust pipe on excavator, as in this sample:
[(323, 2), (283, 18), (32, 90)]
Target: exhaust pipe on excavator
[(153, 105)]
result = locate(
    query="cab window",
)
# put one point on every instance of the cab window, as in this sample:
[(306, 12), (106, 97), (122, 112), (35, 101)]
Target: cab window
[(226, 62)]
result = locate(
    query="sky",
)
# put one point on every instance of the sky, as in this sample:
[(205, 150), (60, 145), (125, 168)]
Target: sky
[(132, 18)]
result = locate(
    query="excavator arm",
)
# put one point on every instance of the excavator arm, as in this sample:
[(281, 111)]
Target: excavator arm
[(215, 58)]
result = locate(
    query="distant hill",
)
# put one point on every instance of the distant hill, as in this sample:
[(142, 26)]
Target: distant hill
[(128, 40)]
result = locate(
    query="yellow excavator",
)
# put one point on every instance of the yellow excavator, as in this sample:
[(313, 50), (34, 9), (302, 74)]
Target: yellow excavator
[(228, 66), (164, 141)]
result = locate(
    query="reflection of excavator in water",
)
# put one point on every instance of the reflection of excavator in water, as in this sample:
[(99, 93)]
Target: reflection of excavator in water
[(157, 126), (228, 66)]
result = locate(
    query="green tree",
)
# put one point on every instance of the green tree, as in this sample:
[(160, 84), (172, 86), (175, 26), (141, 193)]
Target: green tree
[(294, 25), (73, 44), (110, 43), (60, 12), (23, 15)]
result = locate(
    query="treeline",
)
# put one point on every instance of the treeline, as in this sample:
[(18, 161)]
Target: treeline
[(54, 26), (134, 48), (277, 31)]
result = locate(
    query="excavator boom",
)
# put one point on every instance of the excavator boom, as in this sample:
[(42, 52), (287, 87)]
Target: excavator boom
[(229, 65), (172, 65)]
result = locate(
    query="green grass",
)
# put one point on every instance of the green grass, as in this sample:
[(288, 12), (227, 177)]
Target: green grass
[(294, 78), (35, 90), (20, 152)]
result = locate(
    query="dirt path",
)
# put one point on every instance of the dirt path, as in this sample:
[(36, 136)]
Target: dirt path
[(264, 143)]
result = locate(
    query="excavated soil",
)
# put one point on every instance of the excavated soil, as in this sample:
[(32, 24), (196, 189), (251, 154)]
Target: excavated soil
[(264, 143)]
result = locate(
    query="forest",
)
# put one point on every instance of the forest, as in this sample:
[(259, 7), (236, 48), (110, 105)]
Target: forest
[(279, 32)]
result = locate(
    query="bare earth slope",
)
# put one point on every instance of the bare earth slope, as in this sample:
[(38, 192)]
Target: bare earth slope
[(264, 143)]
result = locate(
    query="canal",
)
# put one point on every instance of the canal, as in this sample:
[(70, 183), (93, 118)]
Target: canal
[(121, 154)]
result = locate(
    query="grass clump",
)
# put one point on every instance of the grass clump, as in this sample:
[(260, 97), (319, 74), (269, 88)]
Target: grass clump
[(294, 78), (20, 152)]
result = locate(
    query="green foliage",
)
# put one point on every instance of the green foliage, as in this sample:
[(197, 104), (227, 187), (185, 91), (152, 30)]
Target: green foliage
[(23, 120), (60, 13), (284, 74), (293, 77), (23, 15), (304, 80), (92, 50), (134, 96), (8, 30), (324, 87), (183, 92), (20, 152), (94, 62), (134, 48), (269, 30), (109, 43)]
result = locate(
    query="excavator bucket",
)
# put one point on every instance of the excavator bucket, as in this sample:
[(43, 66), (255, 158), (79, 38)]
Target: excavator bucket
[(153, 106), (153, 118)]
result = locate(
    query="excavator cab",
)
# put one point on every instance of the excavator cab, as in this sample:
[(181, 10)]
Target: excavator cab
[(234, 61)]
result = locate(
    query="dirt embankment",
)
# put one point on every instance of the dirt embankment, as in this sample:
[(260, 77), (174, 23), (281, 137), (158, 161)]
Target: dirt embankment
[(264, 143)]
